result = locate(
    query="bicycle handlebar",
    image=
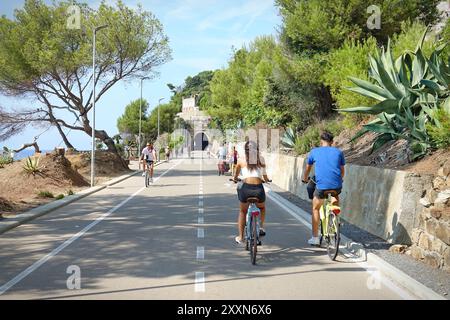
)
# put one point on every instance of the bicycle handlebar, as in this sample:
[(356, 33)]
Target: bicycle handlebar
[(239, 180)]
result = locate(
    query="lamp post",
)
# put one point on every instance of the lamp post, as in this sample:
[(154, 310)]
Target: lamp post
[(93, 104), (159, 102), (140, 116)]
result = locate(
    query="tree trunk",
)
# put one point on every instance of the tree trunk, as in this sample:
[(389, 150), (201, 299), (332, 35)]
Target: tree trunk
[(64, 137), (27, 145)]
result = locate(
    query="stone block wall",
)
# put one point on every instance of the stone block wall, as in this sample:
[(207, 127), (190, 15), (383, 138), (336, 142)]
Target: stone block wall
[(431, 237)]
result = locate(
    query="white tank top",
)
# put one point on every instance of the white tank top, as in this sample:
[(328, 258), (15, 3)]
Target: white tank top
[(246, 173)]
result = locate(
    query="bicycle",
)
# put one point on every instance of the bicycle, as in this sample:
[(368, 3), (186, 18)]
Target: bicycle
[(330, 224), (147, 178), (252, 227)]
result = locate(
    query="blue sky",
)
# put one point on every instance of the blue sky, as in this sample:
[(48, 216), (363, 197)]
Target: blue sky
[(201, 32)]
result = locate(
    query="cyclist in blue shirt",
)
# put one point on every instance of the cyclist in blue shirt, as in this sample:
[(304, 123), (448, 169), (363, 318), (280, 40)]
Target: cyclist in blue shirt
[(329, 171)]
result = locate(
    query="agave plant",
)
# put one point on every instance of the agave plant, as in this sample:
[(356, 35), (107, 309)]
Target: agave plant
[(289, 138), (31, 166), (408, 91)]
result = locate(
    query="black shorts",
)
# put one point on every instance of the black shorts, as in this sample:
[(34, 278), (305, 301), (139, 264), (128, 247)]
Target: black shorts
[(321, 193), (149, 162), (251, 191)]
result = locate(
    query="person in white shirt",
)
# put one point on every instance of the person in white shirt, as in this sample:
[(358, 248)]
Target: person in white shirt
[(148, 157)]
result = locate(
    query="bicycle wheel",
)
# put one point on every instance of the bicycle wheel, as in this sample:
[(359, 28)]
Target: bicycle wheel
[(147, 179), (253, 241), (334, 236)]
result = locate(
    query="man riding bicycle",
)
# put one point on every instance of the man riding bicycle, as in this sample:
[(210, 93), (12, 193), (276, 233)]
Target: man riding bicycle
[(253, 171), (149, 154), (329, 172)]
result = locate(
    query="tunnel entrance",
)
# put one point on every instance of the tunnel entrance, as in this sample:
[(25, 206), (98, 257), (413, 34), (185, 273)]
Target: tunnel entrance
[(201, 141)]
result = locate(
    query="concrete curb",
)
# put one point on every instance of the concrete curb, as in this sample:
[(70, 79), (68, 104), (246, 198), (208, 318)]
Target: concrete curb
[(37, 212), (357, 253)]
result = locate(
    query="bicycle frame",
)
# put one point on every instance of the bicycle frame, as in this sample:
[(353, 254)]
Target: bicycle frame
[(325, 211), (253, 216)]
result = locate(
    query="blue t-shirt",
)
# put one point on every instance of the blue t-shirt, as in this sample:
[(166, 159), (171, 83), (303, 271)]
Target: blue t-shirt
[(328, 162)]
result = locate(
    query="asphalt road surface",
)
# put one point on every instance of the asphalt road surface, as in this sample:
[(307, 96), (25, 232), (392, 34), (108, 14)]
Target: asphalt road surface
[(173, 240)]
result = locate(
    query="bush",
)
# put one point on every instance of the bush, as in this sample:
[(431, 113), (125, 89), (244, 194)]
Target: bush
[(70, 193), (440, 135), (4, 160), (59, 197), (45, 194), (310, 138)]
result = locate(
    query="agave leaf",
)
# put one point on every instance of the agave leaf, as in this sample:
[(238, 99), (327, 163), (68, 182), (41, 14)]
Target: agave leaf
[(419, 68), (437, 74), (422, 39), (388, 106), (432, 85), (381, 141), (372, 88), (388, 83)]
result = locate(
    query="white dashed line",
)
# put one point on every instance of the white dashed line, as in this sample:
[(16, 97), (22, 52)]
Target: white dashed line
[(200, 253), (199, 282)]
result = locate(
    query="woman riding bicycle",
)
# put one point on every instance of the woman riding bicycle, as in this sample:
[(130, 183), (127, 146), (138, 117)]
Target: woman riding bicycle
[(253, 171)]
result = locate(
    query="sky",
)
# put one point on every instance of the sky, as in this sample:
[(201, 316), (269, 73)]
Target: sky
[(201, 33)]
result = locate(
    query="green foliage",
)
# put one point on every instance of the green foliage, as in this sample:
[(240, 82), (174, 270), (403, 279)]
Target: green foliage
[(409, 91), (310, 138), (408, 38), (31, 165), (59, 197), (5, 159), (440, 134), (70, 192), (129, 121), (319, 26), (45, 194), (349, 61)]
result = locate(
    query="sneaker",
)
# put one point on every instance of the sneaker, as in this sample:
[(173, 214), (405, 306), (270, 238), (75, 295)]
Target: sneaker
[(314, 241), (143, 174), (262, 232), (238, 240)]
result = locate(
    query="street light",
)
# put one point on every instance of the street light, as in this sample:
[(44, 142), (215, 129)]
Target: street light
[(93, 104), (159, 102), (140, 114)]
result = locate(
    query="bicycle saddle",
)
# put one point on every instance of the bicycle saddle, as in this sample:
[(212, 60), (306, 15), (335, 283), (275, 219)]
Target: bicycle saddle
[(253, 200)]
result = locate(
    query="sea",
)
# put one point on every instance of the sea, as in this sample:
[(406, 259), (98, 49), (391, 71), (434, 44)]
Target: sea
[(27, 153)]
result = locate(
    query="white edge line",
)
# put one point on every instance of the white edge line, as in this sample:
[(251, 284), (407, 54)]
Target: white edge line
[(404, 293), (66, 243), (199, 282)]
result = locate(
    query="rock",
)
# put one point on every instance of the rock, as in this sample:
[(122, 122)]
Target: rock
[(425, 241), (438, 246), (439, 183), (433, 259), (398, 248), (417, 253), (431, 226), (447, 258), (443, 232), (442, 197), (425, 202), (436, 212), (432, 195), (415, 236)]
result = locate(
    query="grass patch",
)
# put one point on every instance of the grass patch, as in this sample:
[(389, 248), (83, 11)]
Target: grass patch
[(45, 194), (59, 197)]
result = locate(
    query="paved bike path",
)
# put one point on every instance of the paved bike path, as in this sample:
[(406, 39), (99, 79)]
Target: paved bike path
[(151, 248)]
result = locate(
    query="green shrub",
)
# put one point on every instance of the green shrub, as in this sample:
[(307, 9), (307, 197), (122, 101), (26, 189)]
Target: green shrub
[(310, 138), (59, 197), (440, 135), (45, 194), (70, 193), (4, 160)]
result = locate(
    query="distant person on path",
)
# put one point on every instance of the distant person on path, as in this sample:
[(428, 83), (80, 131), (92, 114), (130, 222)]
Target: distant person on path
[(329, 173), (167, 153), (148, 157), (233, 159)]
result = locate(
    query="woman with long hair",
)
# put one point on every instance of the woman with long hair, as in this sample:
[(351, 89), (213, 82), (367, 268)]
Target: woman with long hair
[(253, 171)]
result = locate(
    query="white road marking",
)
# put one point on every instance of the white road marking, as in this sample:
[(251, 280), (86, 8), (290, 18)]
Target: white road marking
[(66, 243), (200, 203), (201, 220), (387, 282), (200, 233), (199, 282), (201, 210), (200, 253)]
